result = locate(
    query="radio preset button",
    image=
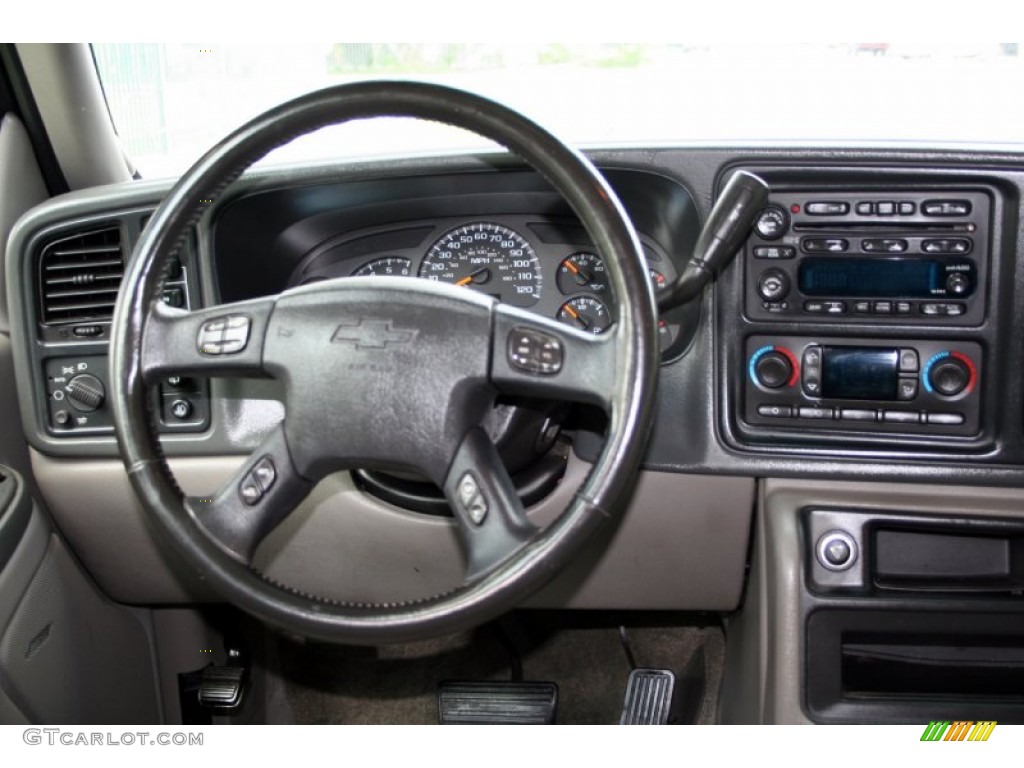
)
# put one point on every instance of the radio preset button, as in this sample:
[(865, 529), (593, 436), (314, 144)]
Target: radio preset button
[(907, 389), (946, 419), (883, 245), (814, 307), (858, 414), (887, 208), (825, 244), (774, 252), (903, 307), (902, 417), (835, 307), (883, 308), (946, 207), (862, 307), (865, 208), (775, 411), (827, 208), (907, 208), (814, 412)]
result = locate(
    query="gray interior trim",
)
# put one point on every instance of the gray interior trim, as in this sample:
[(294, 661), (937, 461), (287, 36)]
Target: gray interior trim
[(344, 544), (67, 92), (21, 187), (15, 511), (70, 656), (14, 581), (765, 656)]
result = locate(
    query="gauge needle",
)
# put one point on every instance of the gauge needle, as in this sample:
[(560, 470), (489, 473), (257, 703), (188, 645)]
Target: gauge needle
[(582, 278), (482, 275), (577, 317)]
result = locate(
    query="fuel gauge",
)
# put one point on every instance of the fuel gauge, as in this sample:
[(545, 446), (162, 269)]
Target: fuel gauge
[(585, 313)]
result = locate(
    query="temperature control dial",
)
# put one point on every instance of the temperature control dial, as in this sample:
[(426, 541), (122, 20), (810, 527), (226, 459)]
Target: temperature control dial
[(949, 374)]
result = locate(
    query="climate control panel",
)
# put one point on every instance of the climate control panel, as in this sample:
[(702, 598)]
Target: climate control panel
[(825, 383)]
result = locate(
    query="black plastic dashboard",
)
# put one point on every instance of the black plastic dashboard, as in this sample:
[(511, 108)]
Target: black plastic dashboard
[(278, 228)]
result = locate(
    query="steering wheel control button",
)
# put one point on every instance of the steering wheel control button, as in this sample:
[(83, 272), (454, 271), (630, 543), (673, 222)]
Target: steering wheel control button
[(265, 473), (226, 335), (836, 551), (534, 352), (250, 491), (258, 481), (471, 499)]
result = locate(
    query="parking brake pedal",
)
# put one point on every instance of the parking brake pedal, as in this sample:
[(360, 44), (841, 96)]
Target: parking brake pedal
[(648, 697), (486, 703)]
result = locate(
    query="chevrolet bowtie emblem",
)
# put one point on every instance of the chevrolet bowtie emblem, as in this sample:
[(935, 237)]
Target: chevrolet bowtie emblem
[(372, 334)]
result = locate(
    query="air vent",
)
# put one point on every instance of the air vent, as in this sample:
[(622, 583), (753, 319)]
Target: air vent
[(80, 275)]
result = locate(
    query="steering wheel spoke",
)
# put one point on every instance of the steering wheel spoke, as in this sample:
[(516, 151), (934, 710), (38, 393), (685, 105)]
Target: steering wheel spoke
[(225, 340), (532, 355), (258, 497), (491, 517)]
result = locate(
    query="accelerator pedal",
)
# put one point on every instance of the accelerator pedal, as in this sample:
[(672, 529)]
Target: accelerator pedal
[(486, 703), (648, 697)]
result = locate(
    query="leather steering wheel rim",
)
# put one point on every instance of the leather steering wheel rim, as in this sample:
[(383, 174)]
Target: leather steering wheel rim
[(631, 348)]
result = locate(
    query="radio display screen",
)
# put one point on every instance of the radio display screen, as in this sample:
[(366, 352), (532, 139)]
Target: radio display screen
[(860, 373), (871, 278)]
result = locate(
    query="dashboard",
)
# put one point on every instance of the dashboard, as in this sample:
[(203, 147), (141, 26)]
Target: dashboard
[(849, 387)]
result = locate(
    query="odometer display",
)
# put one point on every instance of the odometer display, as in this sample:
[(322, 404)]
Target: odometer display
[(489, 258)]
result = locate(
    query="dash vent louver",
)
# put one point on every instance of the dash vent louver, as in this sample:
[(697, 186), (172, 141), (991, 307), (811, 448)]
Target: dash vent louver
[(79, 276)]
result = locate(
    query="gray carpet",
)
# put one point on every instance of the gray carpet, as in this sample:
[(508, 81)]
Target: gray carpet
[(583, 654)]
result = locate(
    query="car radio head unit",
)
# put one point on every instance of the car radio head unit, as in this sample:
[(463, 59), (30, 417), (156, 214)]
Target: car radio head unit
[(893, 257)]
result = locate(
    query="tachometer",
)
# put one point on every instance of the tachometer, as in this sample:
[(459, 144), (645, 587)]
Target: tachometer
[(489, 258), (390, 266)]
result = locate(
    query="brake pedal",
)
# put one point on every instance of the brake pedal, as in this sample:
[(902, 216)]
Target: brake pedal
[(487, 703), (222, 688), (648, 697)]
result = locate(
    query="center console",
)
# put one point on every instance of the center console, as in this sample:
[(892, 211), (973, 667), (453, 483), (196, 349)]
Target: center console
[(866, 315)]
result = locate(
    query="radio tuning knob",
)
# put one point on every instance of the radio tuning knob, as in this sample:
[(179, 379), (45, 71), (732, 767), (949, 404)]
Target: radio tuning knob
[(773, 370), (773, 285)]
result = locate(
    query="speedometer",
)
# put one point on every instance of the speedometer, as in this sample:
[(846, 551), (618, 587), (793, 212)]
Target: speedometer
[(489, 258)]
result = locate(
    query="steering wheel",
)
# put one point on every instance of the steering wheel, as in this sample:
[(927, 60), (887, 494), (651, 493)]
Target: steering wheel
[(419, 364)]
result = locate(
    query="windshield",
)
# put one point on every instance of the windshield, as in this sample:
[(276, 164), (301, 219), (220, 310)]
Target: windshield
[(171, 102)]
